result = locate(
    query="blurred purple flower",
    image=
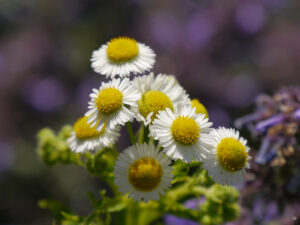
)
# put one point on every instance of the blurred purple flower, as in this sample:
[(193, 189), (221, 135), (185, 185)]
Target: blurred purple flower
[(165, 30), (297, 114), (46, 94), (260, 157), (199, 31), (272, 211), (276, 122), (264, 124), (265, 211), (238, 123), (250, 16)]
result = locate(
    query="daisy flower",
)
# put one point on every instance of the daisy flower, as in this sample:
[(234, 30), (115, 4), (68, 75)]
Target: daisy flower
[(110, 104), (122, 56), (143, 171), (228, 157), (200, 108), (84, 138), (157, 93), (182, 135)]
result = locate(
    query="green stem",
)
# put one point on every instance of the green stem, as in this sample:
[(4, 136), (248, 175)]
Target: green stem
[(130, 132), (141, 134), (112, 186)]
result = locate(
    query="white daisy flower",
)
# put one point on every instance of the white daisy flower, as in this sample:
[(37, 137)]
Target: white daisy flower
[(157, 93), (182, 135), (84, 138), (228, 157), (143, 171), (110, 104), (122, 56)]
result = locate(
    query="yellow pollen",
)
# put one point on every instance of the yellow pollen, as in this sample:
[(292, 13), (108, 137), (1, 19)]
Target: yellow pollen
[(145, 174), (154, 101), (199, 107), (83, 129), (109, 100), (185, 130), (232, 154), (122, 49)]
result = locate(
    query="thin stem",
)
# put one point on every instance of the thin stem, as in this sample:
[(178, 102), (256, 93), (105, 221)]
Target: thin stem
[(130, 132), (141, 134), (112, 186)]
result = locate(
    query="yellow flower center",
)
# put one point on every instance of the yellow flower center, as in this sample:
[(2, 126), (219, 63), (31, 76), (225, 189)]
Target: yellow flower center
[(232, 154), (122, 49), (145, 174), (154, 101), (83, 129), (109, 100), (199, 107), (185, 130)]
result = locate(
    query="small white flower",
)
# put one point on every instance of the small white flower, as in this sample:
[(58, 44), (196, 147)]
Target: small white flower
[(157, 93), (143, 171), (228, 156), (122, 56), (183, 134), (110, 104), (84, 138)]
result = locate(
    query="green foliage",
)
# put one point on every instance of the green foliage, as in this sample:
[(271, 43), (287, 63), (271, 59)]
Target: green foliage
[(190, 181), (54, 149)]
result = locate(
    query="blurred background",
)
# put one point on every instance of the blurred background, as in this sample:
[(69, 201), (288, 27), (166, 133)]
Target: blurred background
[(225, 53)]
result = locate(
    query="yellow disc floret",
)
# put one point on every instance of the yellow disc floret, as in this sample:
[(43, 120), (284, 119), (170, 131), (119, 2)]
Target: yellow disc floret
[(83, 130), (145, 174), (232, 154), (199, 107), (122, 49), (109, 100), (185, 130), (154, 101)]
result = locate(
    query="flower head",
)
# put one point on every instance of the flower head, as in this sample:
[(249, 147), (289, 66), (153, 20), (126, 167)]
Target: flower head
[(110, 104), (122, 56), (183, 134), (228, 156), (143, 172), (84, 137), (157, 93)]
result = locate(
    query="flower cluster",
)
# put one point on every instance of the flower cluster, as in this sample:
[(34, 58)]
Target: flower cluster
[(275, 126), (276, 121), (172, 126)]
